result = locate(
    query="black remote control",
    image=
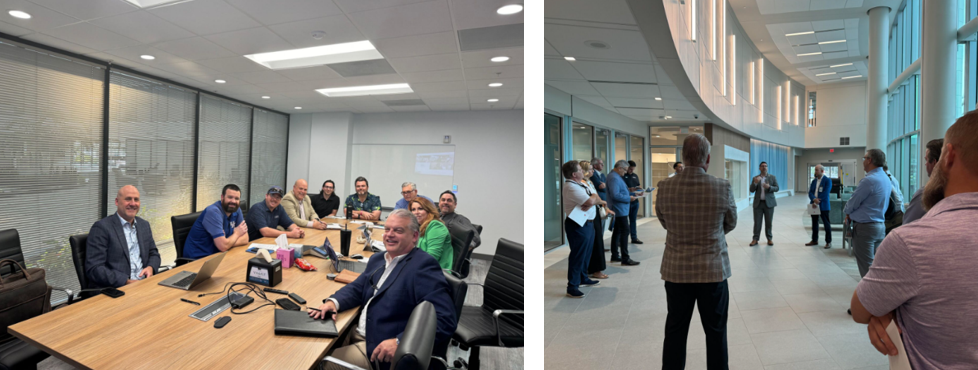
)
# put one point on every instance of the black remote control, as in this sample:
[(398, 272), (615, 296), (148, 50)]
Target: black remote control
[(297, 298), (224, 320), (287, 304), (276, 291)]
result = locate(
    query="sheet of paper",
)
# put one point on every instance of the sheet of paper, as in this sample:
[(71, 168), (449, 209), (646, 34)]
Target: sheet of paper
[(358, 222), (334, 226), (578, 216), (900, 361), (271, 247), (379, 245)]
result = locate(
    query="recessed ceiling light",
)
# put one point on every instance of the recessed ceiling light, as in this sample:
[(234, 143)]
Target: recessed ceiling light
[(495, 84), (492, 100), (807, 54), (668, 117), (845, 78), (147, 57), (831, 42), (510, 9), (19, 14), (658, 98), (499, 59), (569, 59), (841, 65), (800, 33), (825, 74), (266, 97), (298, 107), (220, 81), (317, 55), (366, 90)]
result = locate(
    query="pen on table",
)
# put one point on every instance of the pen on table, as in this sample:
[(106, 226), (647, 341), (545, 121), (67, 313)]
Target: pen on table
[(189, 301)]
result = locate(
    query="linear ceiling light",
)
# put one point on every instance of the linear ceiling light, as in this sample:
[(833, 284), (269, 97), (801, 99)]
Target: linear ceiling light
[(846, 78), (150, 3), (831, 42), (366, 90), (800, 33), (317, 55), (807, 54), (841, 65), (825, 74)]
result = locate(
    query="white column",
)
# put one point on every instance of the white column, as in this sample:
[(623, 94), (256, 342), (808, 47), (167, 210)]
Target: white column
[(879, 37), (937, 73)]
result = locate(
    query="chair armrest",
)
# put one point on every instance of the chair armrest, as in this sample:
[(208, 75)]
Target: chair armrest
[(495, 321), (341, 363), (443, 362), (183, 261), (69, 292)]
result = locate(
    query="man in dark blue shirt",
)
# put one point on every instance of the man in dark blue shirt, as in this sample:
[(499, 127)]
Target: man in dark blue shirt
[(265, 218), (219, 227), (634, 186)]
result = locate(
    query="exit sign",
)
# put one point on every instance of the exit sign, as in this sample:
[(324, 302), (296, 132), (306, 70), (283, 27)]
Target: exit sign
[(831, 150)]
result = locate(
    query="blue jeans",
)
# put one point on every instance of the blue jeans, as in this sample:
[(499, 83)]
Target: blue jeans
[(581, 240), (865, 239), (632, 216)]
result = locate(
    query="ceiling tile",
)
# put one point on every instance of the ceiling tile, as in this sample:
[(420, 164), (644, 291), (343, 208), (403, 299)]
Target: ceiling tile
[(205, 17), (91, 36), (791, 6), (549, 50), (438, 86), (625, 45), (282, 11), (434, 76), (833, 47), (413, 19), (596, 100), (279, 87), (133, 53), (642, 114), (831, 35), (195, 48), (58, 43), (481, 58), (336, 30), (828, 25), (503, 100), (262, 77), (309, 74), (827, 4), (426, 63), (410, 46), (353, 6), (88, 9), (627, 90), (635, 103), (448, 107), (13, 30), (807, 49), (232, 64), (442, 94), (484, 84), (143, 27), (482, 13), (458, 100), (188, 70), (250, 41), (574, 87), (560, 69), (413, 108), (485, 73), (610, 71), (803, 39), (495, 93), (42, 18), (605, 11)]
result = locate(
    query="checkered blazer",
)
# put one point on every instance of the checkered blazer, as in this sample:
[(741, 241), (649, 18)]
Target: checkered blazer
[(697, 210)]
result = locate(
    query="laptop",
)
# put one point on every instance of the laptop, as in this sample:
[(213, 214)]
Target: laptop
[(186, 280), (299, 323), (340, 265)]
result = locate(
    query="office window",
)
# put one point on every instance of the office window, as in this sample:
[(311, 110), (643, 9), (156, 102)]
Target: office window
[(553, 214), (51, 118), (581, 148), (224, 153), (151, 146), (270, 144), (811, 108)]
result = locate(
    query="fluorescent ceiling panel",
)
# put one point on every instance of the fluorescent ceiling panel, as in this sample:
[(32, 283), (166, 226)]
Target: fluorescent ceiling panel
[(366, 90), (150, 3), (317, 55)]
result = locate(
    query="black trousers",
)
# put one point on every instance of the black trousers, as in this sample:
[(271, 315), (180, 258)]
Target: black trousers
[(597, 263), (713, 300), (828, 227), (619, 238)]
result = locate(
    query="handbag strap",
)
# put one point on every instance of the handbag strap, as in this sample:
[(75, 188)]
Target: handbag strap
[(12, 270)]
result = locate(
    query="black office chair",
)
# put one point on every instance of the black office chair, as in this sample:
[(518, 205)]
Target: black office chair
[(499, 321), (15, 353), (10, 249), (243, 206), (478, 228), (460, 246), (418, 340), (181, 229), (79, 247)]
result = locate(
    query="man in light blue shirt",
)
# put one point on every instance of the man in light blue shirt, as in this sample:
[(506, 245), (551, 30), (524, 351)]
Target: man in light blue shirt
[(409, 191), (619, 198), (866, 209)]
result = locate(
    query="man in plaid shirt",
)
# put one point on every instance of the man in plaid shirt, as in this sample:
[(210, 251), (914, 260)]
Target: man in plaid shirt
[(697, 210)]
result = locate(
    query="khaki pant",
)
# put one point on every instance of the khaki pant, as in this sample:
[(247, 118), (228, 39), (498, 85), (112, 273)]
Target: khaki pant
[(355, 353)]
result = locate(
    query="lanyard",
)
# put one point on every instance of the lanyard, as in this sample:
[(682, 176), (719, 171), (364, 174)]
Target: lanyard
[(586, 189)]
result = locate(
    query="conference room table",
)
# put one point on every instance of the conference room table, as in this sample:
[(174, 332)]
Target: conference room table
[(150, 328)]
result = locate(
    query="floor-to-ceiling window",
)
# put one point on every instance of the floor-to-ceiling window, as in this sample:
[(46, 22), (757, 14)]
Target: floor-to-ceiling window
[(553, 229), (637, 156), (903, 103), (602, 141)]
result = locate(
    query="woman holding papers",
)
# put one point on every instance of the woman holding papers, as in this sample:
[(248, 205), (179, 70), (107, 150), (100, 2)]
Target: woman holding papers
[(579, 202), (597, 263), (434, 238)]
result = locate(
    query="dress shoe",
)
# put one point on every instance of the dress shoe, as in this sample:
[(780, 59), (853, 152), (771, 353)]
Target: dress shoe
[(770, 242), (590, 283), (615, 259), (828, 245), (809, 244), (629, 262), (636, 241), (849, 310), (574, 293), (599, 275), (753, 243)]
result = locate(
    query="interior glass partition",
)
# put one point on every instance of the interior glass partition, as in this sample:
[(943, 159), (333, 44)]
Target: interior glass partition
[(582, 142), (553, 228), (638, 156)]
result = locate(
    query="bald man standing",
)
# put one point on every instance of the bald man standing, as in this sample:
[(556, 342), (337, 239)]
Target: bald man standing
[(818, 193), (121, 249), (299, 207)]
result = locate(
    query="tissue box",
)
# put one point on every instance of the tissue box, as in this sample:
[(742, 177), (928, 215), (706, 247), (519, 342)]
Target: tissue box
[(264, 273), (287, 255)]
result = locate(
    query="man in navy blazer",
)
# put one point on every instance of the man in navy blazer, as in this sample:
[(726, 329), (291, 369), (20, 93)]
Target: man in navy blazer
[(121, 249), (818, 193), (394, 283)]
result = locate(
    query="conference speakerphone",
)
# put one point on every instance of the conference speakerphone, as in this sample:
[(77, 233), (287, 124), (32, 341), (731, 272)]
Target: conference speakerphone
[(215, 308)]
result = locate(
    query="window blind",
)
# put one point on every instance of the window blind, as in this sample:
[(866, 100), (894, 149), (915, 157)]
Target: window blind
[(225, 149), (270, 141), (151, 146), (51, 120)]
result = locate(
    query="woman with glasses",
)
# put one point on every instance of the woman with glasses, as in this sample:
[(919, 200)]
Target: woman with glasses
[(434, 237)]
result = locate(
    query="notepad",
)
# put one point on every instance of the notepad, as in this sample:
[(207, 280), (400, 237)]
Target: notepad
[(900, 361)]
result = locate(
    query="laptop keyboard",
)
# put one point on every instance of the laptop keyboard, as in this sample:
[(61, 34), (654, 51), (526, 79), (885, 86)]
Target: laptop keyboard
[(186, 280)]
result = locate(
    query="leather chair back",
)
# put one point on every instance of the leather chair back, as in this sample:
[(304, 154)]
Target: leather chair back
[(460, 245), (243, 206), (418, 340), (181, 229), (10, 248), (504, 281), (458, 289), (79, 245), (478, 228)]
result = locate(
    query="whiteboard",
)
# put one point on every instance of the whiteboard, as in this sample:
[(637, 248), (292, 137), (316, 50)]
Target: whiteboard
[(387, 166)]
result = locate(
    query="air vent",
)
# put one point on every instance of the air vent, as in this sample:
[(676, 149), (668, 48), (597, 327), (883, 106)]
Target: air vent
[(597, 44), (843, 141), (403, 102), (363, 68), (495, 37)]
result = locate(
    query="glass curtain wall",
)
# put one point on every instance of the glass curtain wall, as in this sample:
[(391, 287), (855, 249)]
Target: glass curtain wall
[(776, 157), (583, 142), (553, 227), (903, 104), (637, 155), (602, 142), (224, 149)]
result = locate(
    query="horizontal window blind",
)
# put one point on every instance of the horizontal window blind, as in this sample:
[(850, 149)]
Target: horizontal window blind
[(51, 123), (151, 146), (225, 149), (270, 146)]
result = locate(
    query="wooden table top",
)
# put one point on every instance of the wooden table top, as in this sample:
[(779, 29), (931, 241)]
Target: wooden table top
[(150, 327)]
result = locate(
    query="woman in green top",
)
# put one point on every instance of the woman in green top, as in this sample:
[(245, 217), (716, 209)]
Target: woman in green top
[(434, 238)]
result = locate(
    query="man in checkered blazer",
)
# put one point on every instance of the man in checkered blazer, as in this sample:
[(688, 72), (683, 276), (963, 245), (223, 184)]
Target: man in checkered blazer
[(697, 210)]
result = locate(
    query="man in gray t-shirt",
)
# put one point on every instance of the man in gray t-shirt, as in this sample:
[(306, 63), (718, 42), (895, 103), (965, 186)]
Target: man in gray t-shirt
[(924, 272)]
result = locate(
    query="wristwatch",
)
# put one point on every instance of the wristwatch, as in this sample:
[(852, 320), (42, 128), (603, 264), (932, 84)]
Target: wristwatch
[(398, 341)]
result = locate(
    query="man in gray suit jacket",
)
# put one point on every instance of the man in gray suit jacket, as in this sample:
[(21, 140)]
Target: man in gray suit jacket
[(764, 186), (121, 249), (697, 210)]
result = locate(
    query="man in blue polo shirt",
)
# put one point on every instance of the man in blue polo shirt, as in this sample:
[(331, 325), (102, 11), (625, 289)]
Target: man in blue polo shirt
[(409, 191), (866, 209), (265, 218), (219, 227), (365, 206)]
